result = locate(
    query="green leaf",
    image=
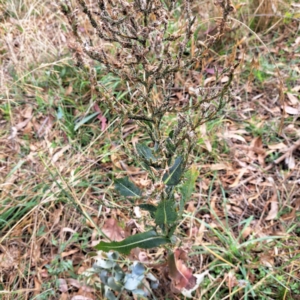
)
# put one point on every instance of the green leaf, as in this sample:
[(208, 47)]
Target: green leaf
[(145, 240), (85, 120), (127, 188), (146, 153), (172, 230), (170, 146), (149, 207), (165, 213), (173, 175), (188, 187)]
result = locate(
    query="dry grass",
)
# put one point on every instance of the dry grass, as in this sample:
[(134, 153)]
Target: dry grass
[(56, 182)]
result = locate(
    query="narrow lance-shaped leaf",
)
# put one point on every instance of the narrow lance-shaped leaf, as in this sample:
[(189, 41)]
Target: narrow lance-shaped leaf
[(173, 175), (85, 120), (170, 146), (145, 240), (165, 213), (127, 188), (189, 185)]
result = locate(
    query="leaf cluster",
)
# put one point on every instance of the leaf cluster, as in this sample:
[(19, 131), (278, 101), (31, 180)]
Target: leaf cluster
[(115, 279)]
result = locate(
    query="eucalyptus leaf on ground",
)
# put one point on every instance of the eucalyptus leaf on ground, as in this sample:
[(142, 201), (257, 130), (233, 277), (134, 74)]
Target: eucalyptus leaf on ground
[(116, 286), (145, 240)]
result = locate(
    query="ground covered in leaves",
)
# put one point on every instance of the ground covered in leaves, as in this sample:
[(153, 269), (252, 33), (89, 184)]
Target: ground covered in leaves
[(59, 152)]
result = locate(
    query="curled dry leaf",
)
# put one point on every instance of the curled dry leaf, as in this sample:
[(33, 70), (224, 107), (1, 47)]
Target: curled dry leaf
[(199, 277), (182, 276)]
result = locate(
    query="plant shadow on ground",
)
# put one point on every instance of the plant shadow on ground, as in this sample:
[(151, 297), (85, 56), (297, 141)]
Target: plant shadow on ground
[(59, 147)]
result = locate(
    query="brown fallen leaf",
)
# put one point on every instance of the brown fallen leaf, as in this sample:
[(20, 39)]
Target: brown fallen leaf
[(293, 99), (27, 112), (181, 276), (22, 124), (279, 146), (115, 158), (60, 153), (209, 80), (63, 286), (113, 230), (246, 232), (274, 208), (220, 166), (37, 286), (257, 150), (291, 110), (267, 259), (68, 253), (296, 88)]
